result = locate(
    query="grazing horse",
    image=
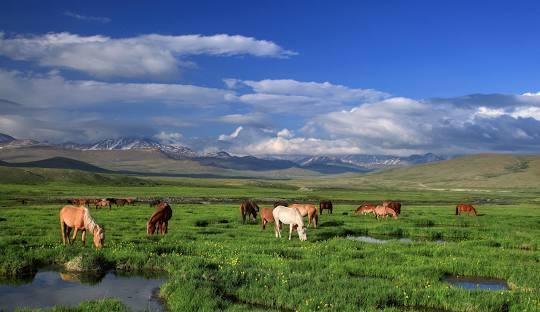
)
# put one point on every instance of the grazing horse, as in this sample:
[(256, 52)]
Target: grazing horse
[(79, 218), (130, 201), (248, 207), (266, 216), (325, 204), (160, 219), (308, 210), (120, 202), (365, 208), (103, 203), (383, 211), (289, 216), (280, 203), (394, 205), (465, 208), (77, 201)]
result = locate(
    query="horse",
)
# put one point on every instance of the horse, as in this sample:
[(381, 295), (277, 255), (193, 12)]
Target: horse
[(280, 203), (160, 219), (156, 202), (325, 204), (130, 201), (394, 205), (77, 201), (248, 207), (120, 202), (103, 203), (365, 208), (79, 218), (266, 216), (289, 216), (465, 208), (307, 210), (383, 211)]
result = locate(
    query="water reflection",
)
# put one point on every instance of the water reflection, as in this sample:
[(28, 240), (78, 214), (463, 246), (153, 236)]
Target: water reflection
[(50, 288), (476, 282)]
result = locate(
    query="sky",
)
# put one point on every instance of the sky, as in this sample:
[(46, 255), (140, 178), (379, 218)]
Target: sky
[(275, 77)]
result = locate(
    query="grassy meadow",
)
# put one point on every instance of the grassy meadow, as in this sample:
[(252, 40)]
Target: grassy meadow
[(214, 262)]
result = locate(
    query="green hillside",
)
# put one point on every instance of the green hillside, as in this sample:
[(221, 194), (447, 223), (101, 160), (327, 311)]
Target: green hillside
[(482, 171)]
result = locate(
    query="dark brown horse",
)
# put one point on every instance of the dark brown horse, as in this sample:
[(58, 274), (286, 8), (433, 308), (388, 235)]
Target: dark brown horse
[(248, 207), (159, 221), (77, 201), (394, 205), (281, 203), (120, 202), (465, 208), (325, 204)]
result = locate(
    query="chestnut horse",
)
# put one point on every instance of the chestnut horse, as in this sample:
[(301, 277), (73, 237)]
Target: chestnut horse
[(465, 208), (79, 218), (130, 201), (160, 219), (103, 203), (325, 204), (383, 211), (394, 205), (77, 201), (289, 216), (365, 208), (248, 207), (307, 210), (266, 216)]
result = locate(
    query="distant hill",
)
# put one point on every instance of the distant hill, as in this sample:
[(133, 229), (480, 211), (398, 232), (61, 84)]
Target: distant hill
[(468, 172), (14, 175), (58, 163), (4, 138)]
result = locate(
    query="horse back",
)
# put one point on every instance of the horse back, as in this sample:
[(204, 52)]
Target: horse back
[(73, 216)]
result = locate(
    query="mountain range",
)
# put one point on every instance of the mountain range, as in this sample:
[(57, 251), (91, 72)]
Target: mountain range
[(324, 164)]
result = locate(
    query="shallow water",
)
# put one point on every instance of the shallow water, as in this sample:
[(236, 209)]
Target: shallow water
[(476, 282), (383, 240), (49, 288)]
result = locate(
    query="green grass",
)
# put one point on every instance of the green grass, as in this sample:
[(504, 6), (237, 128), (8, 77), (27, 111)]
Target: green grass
[(216, 263)]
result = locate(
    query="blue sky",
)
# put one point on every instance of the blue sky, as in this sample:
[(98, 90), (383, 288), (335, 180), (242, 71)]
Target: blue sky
[(275, 77)]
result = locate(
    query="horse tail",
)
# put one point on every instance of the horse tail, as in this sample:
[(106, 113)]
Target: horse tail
[(316, 218)]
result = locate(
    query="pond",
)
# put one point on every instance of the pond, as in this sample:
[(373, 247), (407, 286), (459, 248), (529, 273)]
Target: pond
[(483, 283), (49, 288)]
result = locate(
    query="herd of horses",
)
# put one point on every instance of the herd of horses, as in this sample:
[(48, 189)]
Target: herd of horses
[(77, 216)]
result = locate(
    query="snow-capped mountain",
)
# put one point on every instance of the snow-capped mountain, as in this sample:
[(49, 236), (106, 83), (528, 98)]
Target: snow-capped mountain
[(4, 138)]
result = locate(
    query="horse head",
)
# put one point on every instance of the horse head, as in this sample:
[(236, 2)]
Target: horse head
[(150, 227), (99, 236), (302, 232)]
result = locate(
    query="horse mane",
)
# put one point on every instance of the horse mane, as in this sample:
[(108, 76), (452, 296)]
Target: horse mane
[(89, 222)]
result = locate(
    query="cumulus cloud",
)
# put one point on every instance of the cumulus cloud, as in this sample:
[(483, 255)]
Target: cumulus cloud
[(229, 137), (171, 138), (303, 98), (151, 55)]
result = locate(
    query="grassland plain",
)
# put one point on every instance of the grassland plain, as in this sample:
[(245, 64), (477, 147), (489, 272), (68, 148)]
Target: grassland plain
[(216, 263)]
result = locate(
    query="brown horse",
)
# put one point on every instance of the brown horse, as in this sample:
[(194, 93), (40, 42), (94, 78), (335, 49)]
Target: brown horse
[(79, 218), (103, 203), (160, 219), (120, 202), (248, 207), (465, 208), (383, 211), (325, 204), (365, 208), (394, 205), (130, 201), (266, 216), (77, 201), (307, 210), (281, 203)]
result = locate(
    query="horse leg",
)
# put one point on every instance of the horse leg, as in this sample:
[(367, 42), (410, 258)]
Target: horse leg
[(68, 235), (276, 228), (290, 230), (63, 230), (263, 223), (75, 234), (166, 226), (83, 236)]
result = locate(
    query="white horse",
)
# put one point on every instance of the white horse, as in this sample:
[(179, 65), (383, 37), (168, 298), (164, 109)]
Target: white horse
[(289, 216)]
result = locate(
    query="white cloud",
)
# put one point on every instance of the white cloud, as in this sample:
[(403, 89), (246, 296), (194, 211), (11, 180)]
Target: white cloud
[(281, 145), (171, 138), (87, 18), (55, 91), (244, 119), (234, 135), (285, 133), (145, 55), (302, 98)]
